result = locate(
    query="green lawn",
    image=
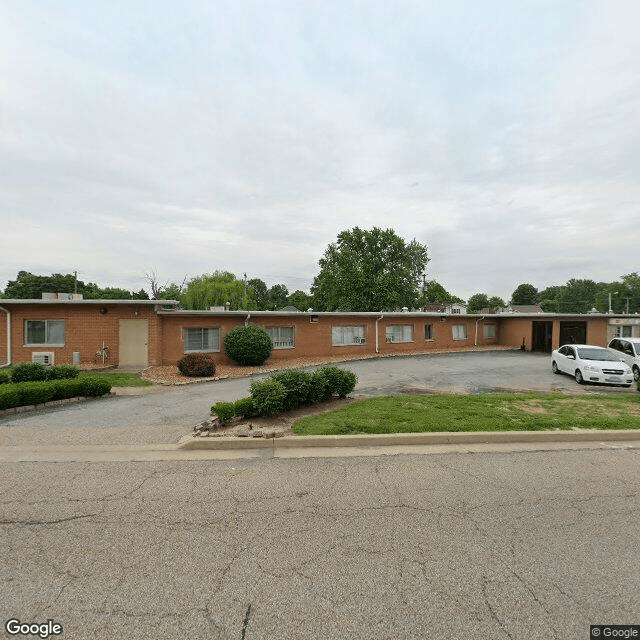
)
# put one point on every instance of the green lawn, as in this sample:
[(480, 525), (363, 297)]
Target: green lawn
[(487, 412), (122, 379)]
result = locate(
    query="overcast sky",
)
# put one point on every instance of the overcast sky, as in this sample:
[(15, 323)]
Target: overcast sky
[(244, 135)]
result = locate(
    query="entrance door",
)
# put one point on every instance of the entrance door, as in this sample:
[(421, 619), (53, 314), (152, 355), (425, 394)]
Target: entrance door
[(573, 333), (134, 343), (541, 339)]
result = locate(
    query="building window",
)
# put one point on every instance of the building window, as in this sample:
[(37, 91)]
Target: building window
[(347, 335), (399, 333), (428, 332), (459, 331), (455, 310), (489, 330), (282, 337), (44, 332), (624, 331), (201, 339)]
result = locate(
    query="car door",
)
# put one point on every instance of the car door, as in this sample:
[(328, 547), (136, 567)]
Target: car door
[(565, 361)]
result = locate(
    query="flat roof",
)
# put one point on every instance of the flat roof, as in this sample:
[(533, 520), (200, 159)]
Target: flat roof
[(84, 301)]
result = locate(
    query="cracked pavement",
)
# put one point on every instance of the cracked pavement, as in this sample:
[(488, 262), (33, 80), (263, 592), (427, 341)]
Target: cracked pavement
[(494, 545)]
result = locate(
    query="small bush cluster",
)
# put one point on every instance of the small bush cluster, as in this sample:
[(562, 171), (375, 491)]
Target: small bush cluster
[(5, 376), (249, 345), (197, 365), (37, 372), (19, 394), (286, 390)]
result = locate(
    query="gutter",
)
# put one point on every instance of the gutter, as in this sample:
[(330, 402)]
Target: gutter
[(8, 363), (377, 339), (475, 344)]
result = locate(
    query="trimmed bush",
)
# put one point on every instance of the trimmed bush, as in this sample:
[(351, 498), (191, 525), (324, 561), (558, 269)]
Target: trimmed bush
[(5, 376), (35, 392), (268, 396), (94, 386), (339, 382), (9, 396), (319, 387), (245, 407), (249, 345), (62, 372), (224, 410), (297, 384), (197, 365), (28, 372)]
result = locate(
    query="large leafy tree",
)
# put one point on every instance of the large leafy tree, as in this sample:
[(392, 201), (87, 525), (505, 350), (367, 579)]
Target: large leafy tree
[(435, 292), (525, 294), (300, 300), (31, 286), (260, 293), (369, 270), (277, 297), (217, 289), (477, 302)]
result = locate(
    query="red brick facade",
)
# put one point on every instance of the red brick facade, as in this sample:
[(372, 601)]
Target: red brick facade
[(90, 324)]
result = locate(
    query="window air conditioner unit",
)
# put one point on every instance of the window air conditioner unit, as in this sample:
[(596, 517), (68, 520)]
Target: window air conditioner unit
[(43, 357), (359, 340), (313, 318), (389, 338)]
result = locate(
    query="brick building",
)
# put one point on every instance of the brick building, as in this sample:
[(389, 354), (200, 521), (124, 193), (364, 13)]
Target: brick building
[(140, 333)]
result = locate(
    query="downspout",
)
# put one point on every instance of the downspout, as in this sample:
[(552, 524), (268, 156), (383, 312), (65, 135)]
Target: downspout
[(377, 340), (8, 363), (246, 320), (476, 340)]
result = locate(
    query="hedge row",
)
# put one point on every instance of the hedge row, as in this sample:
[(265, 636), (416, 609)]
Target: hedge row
[(286, 390), (27, 393), (37, 372)]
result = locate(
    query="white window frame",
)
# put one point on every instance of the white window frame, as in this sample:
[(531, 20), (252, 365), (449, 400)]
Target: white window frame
[(201, 349), (280, 341), (348, 335), (457, 331), (399, 333), (489, 331), (432, 331), (49, 332)]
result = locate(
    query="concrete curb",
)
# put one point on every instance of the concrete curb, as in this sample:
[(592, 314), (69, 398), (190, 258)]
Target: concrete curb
[(395, 439)]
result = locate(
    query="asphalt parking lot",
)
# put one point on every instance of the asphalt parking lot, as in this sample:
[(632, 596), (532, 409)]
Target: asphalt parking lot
[(164, 414)]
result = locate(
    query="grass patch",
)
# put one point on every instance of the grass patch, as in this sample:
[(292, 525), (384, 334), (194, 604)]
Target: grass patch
[(122, 379), (487, 412)]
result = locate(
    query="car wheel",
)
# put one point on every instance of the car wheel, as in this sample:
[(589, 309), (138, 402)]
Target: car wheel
[(579, 378), (636, 373), (554, 367)]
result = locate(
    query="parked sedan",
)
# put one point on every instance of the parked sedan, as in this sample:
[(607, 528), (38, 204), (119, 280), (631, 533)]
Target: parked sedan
[(591, 364), (628, 351)]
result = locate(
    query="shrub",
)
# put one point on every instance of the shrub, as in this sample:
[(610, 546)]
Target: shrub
[(5, 376), (93, 386), (9, 396), (224, 410), (61, 372), (249, 345), (197, 365), (339, 381), (319, 387), (298, 386), (35, 392), (28, 372), (268, 396), (245, 407)]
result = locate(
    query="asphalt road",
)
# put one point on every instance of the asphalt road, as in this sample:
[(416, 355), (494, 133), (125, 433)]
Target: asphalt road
[(165, 414), (492, 545)]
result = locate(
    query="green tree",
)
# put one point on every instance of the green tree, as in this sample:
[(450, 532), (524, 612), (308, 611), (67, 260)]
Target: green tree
[(477, 302), (496, 302), (551, 299), (300, 300), (277, 297), (260, 293), (217, 289), (369, 270), (525, 294), (578, 296), (435, 292)]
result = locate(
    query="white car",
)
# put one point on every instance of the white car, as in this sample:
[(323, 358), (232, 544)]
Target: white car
[(628, 350), (591, 364)]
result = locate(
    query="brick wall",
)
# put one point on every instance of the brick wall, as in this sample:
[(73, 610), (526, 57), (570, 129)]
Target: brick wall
[(87, 327)]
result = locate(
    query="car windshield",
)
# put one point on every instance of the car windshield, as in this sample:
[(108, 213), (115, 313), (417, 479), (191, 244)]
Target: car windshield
[(597, 354)]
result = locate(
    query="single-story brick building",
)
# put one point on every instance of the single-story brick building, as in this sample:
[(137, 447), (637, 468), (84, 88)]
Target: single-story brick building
[(140, 333)]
